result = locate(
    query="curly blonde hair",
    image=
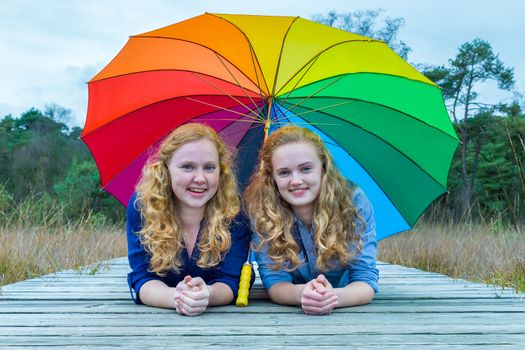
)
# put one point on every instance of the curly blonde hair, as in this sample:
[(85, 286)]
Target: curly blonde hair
[(335, 225), (161, 233)]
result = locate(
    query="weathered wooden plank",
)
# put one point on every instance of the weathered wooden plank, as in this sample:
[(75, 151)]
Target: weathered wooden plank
[(152, 344), (274, 340), (384, 289), (500, 306), (384, 295), (121, 279), (391, 323)]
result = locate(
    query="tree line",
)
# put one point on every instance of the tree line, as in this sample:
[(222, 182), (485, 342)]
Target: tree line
[(42, 159), (44, 164)]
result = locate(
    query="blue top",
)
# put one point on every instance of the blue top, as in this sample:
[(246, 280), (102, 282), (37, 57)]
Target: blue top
[(362, 268), (228, 271)]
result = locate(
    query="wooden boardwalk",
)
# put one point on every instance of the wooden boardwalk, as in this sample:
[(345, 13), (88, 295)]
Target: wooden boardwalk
[(413, 310)]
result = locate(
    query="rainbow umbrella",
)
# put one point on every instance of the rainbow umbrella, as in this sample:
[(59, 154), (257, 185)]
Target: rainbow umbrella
[(384, 122)]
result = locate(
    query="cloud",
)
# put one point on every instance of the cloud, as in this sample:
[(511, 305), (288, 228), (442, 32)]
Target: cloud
[(52, 48)]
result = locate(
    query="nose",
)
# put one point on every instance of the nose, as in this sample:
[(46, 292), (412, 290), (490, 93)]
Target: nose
[(199, 177), (296, 179)]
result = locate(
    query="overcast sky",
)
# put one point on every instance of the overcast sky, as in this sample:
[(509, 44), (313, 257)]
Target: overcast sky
[(50, 49)]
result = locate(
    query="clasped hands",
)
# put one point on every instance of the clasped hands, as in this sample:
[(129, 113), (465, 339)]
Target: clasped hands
[(191, 296), (318, 297)]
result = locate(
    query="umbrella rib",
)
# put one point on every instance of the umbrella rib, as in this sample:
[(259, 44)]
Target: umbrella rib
[(234, 120), (300, 123), (238, 84), (249, 44), (252, 56), (324, 107), (298, 81), (288, 121), (281, 56), (192, 42), (325, 50), (252, 137), (223, 108), (228, 94), (313, 94)]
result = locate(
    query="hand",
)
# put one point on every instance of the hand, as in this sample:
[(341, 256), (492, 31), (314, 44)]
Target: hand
[(318, 297), (177, 292), (194, 296)]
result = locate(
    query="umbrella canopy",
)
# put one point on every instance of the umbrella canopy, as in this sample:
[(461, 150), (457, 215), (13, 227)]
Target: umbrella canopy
[(384, 122)]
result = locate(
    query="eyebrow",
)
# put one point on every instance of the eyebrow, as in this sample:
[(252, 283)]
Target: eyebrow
[(302, 164), (189, 161)]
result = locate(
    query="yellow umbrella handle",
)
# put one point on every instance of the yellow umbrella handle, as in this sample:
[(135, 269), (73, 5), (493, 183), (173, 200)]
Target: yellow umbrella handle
[(244, 285)]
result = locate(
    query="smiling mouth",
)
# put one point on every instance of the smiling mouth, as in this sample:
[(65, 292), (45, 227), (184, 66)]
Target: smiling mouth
[(197, 190), (295, 190)]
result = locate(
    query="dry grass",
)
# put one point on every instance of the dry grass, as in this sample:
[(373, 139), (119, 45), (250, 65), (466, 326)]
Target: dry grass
[(490, 254), (31, 252), (486, 253)]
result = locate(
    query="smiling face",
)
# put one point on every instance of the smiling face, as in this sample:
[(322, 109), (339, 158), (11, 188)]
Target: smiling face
[(297, 171), (194, 172)]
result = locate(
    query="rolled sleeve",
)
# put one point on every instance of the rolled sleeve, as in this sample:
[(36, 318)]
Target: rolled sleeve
[(268, 276), (229, 270), (363, 268), (137, 256)]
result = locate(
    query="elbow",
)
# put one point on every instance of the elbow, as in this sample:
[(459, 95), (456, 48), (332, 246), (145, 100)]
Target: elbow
[(369, 295), (273, 293)]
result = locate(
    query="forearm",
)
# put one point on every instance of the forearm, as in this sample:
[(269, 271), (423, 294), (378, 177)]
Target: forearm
[(157, 293), (354, 294), (286, 293), (220, 294)]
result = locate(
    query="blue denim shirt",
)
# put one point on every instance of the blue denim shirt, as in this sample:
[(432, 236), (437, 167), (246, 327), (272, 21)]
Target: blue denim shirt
[(362, 268), (228, 271)]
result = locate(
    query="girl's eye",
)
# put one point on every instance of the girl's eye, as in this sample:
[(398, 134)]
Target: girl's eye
[(307, 169), (209, 168), (282, 173), (187, 167)]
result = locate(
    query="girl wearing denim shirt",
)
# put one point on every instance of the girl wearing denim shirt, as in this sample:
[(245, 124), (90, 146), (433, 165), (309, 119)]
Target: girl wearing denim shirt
[(315, 241)]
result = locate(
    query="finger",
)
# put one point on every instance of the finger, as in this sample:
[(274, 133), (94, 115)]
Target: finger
[(189, 313), (310, 285), (196, 282), (324, 281), (314, 310), (190, 310), (319, 303), (319, 287), (314, 295), (177, 308), (321, 278), (197, 295), (193, 302), (183, 285), (177, 305)]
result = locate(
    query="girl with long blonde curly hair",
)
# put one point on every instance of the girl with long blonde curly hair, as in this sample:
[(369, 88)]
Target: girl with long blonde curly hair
[(315, 239), (187, 240)]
